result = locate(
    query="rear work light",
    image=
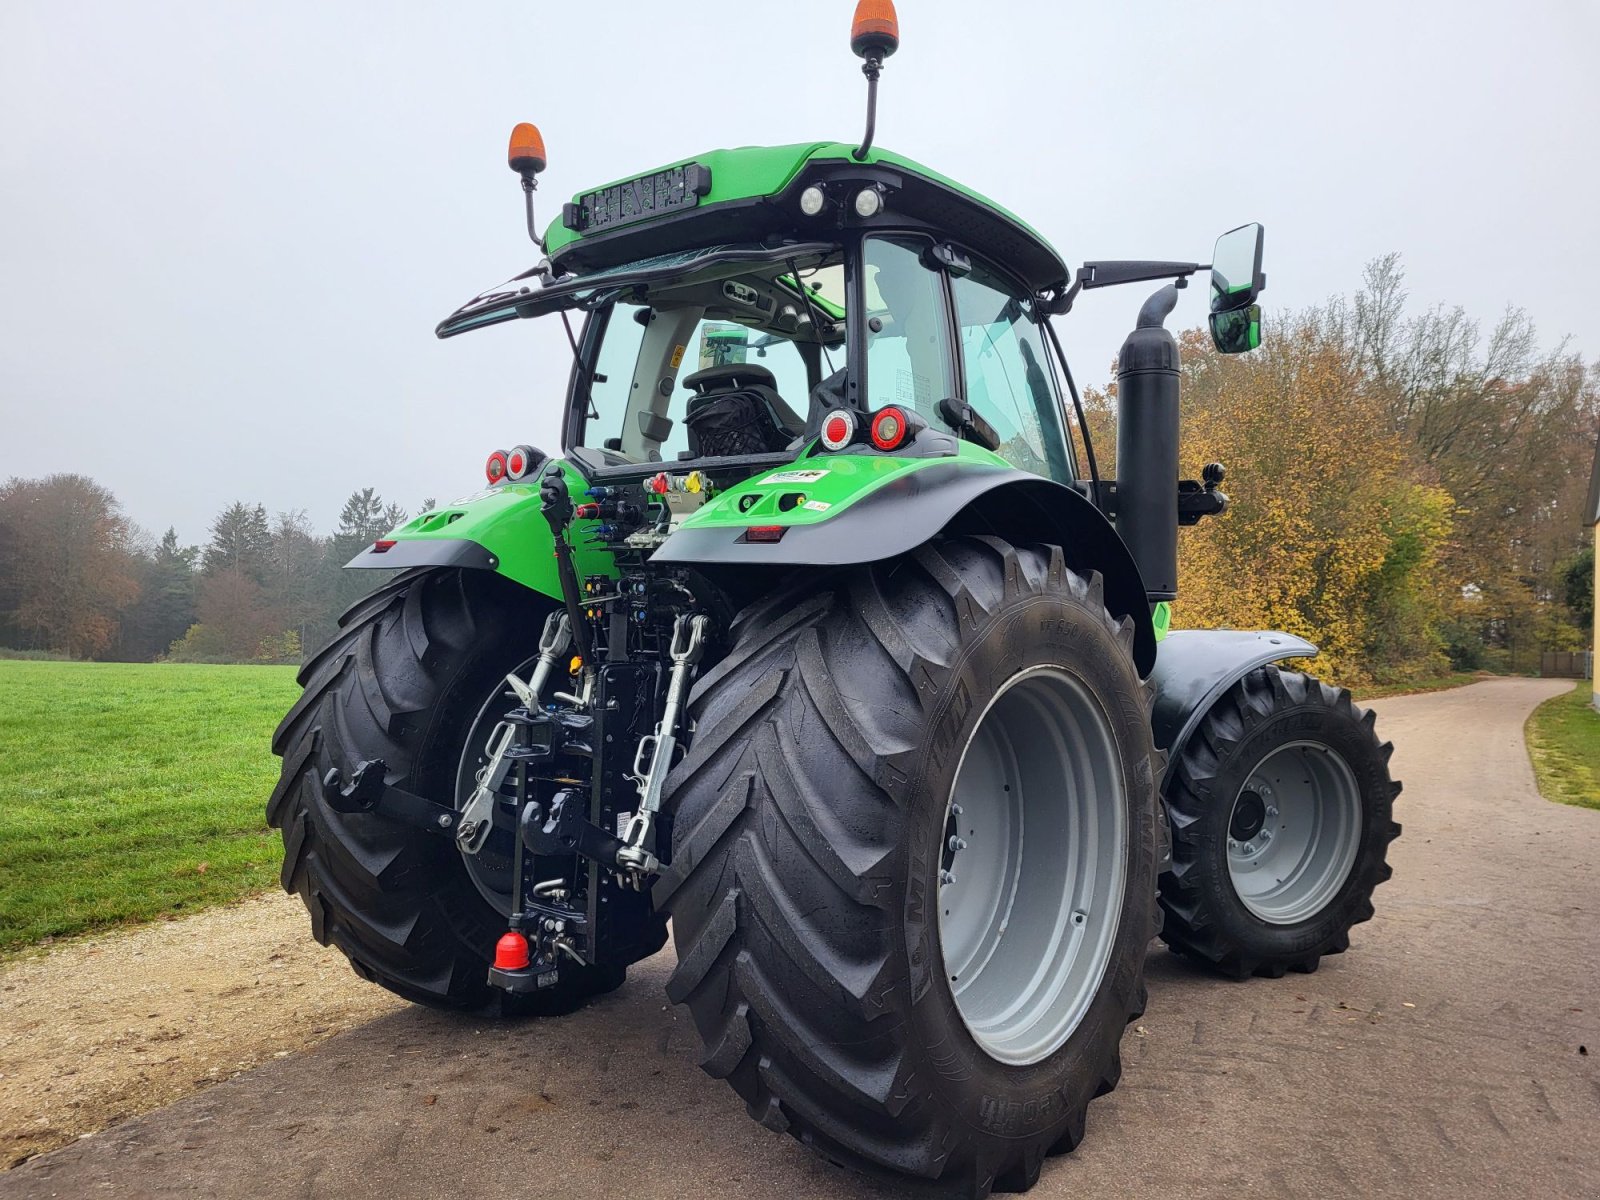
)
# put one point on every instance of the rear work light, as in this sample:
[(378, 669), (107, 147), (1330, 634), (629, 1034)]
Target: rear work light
[(888, 428), (519, 462), (495, 469), (838, 429)]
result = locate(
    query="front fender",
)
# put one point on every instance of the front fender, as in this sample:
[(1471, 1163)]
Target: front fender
[(844, 510), (499, 529), (1194, 667)]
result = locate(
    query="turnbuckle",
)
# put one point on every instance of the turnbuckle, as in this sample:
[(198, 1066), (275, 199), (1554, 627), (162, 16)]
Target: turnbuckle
[(653, 758)]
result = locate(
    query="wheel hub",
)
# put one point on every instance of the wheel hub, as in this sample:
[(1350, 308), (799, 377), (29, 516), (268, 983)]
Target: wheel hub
[(1249, 814)]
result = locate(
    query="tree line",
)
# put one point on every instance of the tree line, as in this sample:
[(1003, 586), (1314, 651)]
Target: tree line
[(77, 577), (1408, 490)]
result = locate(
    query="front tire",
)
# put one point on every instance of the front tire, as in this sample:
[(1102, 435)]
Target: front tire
[(406, 680), (1282, 815), (815, 815)]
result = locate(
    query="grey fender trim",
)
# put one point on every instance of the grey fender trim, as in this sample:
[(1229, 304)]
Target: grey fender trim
[(426, 552), (1194, 667), (909, 510)]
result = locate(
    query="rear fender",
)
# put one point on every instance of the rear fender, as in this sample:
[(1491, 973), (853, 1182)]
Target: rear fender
[(895, 505), (500, 529), (1195, 667)]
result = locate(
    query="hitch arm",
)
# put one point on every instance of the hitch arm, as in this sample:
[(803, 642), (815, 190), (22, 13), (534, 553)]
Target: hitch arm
[(368, 793)]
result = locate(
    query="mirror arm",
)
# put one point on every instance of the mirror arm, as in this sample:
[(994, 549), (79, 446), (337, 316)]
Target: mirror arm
[(1114, 272), (1110, 274)]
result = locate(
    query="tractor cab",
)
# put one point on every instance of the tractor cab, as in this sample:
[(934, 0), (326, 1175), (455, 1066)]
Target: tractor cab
[(854, 286)]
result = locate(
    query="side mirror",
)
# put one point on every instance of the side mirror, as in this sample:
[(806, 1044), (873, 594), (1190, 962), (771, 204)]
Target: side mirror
[(1236, 278), (1236, 281), (1237, 330)]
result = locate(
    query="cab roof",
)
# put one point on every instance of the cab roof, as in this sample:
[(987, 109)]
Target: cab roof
[(751, 193)]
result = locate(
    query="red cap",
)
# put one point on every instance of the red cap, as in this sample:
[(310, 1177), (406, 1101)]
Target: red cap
[(511, 952)]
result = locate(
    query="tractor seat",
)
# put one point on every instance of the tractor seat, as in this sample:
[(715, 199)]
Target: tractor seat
[(735, 410)]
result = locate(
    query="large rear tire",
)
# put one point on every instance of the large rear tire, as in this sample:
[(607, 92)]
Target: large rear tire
[(408, 679), (1282, 815), (858, 730)]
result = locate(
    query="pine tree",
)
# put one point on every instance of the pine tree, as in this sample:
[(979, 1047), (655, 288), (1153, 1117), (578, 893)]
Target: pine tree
[(241, 543), (166, 605)]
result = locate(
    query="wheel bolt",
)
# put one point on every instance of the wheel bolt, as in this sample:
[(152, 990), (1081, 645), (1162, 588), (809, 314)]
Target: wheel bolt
[(946, 877), (956, 809), (957, 843), (1271, 812)]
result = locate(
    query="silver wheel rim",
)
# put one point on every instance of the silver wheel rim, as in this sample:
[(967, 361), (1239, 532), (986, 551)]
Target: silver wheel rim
[(1293, 832), (1034, 859)]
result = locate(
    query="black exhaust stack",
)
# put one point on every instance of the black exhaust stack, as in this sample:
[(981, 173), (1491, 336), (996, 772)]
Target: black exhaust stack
[(1147, 446)]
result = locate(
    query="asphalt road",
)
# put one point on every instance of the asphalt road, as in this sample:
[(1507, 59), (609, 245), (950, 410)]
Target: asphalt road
[(1440, 1056)]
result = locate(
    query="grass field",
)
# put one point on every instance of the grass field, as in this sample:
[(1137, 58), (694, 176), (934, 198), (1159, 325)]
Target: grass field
[(129, 791), (1564, 743)]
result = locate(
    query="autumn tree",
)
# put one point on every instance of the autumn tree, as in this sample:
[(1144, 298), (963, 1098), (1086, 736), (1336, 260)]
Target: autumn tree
[(68, 563), (248, 572), (1503, 426), (1326, 518)]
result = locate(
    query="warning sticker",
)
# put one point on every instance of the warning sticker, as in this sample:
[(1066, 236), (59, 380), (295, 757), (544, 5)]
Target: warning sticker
[(677, 356), (792, 477), (817, 505)]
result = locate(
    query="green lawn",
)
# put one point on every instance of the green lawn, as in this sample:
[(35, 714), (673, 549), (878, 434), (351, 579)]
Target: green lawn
[(129, 791), (1564, 743)]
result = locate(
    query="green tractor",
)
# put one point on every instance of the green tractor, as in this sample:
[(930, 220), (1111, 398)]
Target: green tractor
[(821, 642)]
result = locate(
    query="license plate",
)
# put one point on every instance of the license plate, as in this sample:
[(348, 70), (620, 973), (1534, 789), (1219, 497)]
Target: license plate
[(640, 199)]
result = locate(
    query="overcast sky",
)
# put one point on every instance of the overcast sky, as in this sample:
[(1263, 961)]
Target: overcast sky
[(228, 230)]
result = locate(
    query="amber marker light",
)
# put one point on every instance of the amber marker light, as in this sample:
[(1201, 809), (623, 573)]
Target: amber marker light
[(526, 154), (876, 28)]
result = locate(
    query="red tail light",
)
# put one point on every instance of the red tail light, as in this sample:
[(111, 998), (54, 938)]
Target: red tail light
[(765, 533), (888, 428), (495, 468), (383, 545), (838, 427), (519, 462)]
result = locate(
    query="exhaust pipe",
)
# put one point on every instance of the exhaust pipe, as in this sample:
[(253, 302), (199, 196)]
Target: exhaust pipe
[(1147, 446)]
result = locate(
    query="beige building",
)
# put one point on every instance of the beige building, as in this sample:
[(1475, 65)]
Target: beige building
[(1594, 520)]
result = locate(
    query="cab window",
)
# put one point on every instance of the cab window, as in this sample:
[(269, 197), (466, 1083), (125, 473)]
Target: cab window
[(908, 361), (713, 367), (1009, 380)]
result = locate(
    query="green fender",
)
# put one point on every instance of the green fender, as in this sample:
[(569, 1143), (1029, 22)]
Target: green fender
[(839, 509), (501, 528)]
